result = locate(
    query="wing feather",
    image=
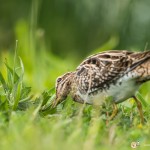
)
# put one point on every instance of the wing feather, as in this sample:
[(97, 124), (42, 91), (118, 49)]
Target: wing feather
[(98, 71)]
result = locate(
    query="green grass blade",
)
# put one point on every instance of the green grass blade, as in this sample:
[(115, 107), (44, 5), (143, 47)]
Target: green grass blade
[(141, 99), (46, 95), (16, 77), (17, 93), (5, 87)]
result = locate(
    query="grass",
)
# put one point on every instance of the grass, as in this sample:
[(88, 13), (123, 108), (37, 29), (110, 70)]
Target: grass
[(27, 120)]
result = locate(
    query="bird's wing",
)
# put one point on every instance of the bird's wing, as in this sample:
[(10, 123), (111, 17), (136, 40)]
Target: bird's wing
[(99, 71), (140, 66), (138, 59)]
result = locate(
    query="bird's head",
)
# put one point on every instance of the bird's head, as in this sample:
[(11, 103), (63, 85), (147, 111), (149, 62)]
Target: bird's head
[(63, 87)]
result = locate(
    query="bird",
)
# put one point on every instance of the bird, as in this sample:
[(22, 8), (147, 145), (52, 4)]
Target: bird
[(113, 73)]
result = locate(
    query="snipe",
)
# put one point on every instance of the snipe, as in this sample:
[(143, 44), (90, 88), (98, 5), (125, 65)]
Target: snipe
[(116, 74)]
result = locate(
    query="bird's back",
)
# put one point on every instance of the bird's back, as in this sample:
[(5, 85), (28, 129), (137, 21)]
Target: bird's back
[(103, 71)]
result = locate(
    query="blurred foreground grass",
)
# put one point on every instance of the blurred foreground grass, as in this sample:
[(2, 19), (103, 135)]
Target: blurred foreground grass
[(28, 122)]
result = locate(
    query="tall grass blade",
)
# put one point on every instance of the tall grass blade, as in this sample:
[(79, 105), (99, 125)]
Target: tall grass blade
[(5, 87), (141, 99)]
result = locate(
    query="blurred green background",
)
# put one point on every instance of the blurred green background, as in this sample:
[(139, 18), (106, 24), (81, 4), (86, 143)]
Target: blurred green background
[(55, 35)]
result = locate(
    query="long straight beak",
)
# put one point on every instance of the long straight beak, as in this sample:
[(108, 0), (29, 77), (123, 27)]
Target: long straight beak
[(55, 102)]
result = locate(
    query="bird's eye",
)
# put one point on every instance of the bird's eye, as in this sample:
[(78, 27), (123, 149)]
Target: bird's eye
[(59, 79)]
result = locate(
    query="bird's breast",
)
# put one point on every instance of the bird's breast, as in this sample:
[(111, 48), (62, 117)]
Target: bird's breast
[(122, 89)]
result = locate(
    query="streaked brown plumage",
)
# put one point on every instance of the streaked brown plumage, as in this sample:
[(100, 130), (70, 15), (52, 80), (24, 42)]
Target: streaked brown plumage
[(112, 73)]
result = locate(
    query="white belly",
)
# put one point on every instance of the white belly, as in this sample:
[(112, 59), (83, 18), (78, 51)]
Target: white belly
[(118, 92)]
